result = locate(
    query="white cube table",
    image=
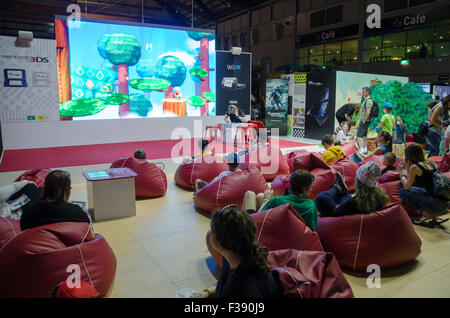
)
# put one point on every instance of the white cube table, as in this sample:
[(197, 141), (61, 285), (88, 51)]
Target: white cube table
[(111, 193)]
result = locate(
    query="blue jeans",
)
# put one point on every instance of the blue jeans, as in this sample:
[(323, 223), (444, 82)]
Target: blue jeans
[(433, 140), (420, 200), (327, 201)]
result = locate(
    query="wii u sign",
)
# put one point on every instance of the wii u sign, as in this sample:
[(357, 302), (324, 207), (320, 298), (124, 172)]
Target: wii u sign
[(233, 67)]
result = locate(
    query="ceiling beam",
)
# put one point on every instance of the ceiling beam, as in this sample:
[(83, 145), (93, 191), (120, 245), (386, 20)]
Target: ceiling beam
[(174, 13), (206, 10)]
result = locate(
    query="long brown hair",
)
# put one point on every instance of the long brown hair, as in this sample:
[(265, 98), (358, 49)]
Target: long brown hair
[(236, 232), (57, 187), (369, 199), (413, 155)]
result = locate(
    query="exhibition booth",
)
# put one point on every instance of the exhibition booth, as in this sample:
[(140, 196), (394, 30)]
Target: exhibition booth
[(87, 100)]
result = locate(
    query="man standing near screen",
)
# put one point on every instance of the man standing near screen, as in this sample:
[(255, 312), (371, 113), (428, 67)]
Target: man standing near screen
[(235, 115), (364, 120)]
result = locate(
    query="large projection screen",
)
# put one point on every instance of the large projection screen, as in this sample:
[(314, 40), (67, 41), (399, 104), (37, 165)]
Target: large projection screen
[(135, 70)]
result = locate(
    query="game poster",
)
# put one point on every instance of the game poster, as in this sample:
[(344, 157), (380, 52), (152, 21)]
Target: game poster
[(277, 104)]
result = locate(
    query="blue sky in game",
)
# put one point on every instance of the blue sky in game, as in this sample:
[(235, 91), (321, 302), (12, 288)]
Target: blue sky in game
[(155, 43)]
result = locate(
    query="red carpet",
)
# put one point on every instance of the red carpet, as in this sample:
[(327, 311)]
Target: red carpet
[(26, 159)]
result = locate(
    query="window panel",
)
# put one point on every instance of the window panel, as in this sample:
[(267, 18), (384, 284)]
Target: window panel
[(303, 52), (350, 46), (316, 50), (415, 51), (373, 42), (392, 5), (420, 36), (317, 19), (394, 39), (333, 48), (442, 33), (370, 55), (334, 15), (303, 61), (415, 3), (398, 52), (350, 57), (332, 60), (442, 49), (317, 60)]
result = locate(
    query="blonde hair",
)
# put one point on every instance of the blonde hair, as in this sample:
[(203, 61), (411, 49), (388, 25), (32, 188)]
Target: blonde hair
[(399, 119)]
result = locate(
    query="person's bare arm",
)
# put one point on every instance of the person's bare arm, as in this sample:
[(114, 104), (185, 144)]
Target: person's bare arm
[(408, 182), (435, 116)]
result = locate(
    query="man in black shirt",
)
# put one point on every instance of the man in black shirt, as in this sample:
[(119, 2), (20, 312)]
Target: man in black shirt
[(346, 112), (235, 115)]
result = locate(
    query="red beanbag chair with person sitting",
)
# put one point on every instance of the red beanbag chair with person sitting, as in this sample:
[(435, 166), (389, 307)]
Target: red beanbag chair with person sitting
[(309, 274), (386, 238), (36, 175), (324, 175), (150, 182), (35, 261), (205, 168), (8, 229), (444, 164), (268, 159), (391, 183), (378, 159), (229, 190), (280, 228), (347, 169)]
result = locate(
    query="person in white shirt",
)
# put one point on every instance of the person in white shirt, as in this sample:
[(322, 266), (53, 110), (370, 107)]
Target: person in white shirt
[(14, 191)]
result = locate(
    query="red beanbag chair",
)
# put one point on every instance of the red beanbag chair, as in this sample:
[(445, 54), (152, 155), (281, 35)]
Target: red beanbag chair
[(35, 261), (8, 229), (280, 228), (444, 164), (36, 175), (229, 190), (348, 148), (268, 159), (205, 168), (347, 169), (324, 175), (378, 159), (150, 182), (309, 274), (385, 238), (391, 183)]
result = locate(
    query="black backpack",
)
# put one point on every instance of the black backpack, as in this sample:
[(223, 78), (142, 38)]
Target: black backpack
[(374, 111), (441, 184)]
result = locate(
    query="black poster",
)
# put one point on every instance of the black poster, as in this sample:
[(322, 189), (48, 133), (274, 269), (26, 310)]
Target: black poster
[(320, 104), (233, 81)]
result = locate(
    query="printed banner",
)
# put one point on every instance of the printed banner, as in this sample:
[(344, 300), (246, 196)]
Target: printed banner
[(277, 104), (233, 81), (28, 81)]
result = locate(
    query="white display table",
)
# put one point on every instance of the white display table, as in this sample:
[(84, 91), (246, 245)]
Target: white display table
[(111, 193)]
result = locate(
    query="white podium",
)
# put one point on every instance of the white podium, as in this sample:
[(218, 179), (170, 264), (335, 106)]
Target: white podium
[(111, 193)]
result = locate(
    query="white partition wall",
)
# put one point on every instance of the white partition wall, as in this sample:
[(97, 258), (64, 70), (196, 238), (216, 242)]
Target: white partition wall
[(90, 132)]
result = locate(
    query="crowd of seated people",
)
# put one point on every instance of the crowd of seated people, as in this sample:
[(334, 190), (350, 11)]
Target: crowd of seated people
[(245, 271)]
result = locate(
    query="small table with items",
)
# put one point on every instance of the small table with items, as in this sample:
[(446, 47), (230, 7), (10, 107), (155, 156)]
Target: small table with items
[(230, 131), (111, 193)]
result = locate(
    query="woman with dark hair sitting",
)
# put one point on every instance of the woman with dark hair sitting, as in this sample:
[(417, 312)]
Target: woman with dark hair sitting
[(53, 206), (418, 189), (245, 273), (368, 198)]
